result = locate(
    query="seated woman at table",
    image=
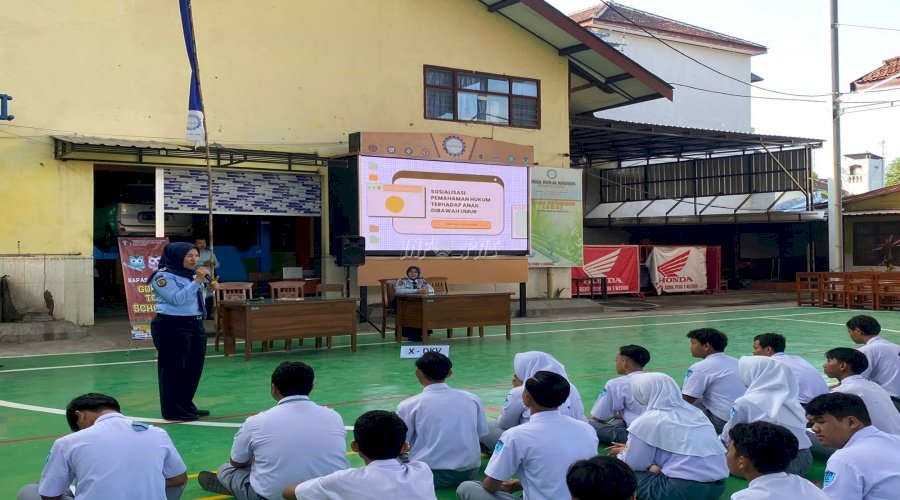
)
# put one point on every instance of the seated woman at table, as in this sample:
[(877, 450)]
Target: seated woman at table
[(413, 283)]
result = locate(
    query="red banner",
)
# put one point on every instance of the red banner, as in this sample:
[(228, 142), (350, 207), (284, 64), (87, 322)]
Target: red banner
[(619, 264), (140, 258)]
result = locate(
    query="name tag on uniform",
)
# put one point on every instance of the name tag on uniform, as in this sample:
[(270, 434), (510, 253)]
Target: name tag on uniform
[(416, 351)]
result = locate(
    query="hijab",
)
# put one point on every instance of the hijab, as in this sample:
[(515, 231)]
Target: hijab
[(669, 422), (772, 388), (526, 364), (172, 260)]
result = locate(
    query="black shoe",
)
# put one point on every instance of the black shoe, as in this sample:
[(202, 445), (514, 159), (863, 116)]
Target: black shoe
[(200, 413), (183, 418), (210, 482)]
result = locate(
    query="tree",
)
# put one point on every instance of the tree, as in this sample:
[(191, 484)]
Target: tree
[(892, 175)]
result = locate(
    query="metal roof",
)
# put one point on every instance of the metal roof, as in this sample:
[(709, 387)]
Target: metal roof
[(601, 77), (601, 140)]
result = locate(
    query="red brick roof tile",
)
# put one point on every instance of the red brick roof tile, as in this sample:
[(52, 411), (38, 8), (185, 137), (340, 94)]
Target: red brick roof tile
[(890, 68)]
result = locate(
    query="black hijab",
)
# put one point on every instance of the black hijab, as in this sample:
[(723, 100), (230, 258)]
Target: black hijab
[(172, 260)]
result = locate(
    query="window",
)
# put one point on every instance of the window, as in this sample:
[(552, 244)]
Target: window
[(465, 96), (869, 240)]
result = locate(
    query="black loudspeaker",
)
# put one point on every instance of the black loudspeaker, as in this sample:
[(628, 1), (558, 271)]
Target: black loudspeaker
[(353, 251)]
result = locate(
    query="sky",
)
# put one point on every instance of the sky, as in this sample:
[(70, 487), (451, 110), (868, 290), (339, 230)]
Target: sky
[(797, 34)]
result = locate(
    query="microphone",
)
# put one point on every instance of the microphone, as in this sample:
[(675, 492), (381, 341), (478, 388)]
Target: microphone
[(208, 278)]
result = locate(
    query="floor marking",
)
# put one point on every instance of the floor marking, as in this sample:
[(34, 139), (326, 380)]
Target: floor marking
[(836, 324)]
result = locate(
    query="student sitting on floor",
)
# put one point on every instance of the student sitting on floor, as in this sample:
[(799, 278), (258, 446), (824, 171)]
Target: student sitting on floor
[(616, 407), (714, 382), (515, 412), (809, 379), (379, 438), (108, 456), (540, 451), (883, 356), (444, 424), (760, 452), (295, 440), (672, 447), (771, 397), (867, 465), (601, 478)]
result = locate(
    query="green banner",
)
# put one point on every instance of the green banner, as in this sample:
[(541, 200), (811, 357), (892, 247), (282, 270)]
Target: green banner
[(557, 225)]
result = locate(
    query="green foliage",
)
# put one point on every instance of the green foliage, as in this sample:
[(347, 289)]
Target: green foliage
[(892, 176)]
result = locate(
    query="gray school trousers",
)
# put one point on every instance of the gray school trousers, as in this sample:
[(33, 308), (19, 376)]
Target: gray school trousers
[(613, 431), (717, 422), (472, 490), (801, 463), (237, 481), (30, 492), (489, 440), (658, 486)]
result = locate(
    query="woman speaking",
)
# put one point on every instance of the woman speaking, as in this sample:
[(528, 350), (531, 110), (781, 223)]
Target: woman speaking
[(178, 334)]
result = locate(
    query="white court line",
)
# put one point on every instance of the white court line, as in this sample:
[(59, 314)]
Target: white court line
[(198, 423), (836, 324), (527, 323)]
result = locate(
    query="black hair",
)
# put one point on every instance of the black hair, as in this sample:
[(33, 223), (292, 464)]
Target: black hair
[(769, 447), (293, 378), (839, 405), (434, 365), (548, 389), (379, 434), (856, 360), (774, 340), (635, 353), (91, 401), (410, 268), (601, 478), (711, 336), (866, 324)]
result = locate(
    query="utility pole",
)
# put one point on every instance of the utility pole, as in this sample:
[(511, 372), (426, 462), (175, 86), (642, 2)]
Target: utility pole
[(835, 195)]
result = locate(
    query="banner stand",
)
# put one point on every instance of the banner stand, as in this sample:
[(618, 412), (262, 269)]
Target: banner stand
[(140, 258)]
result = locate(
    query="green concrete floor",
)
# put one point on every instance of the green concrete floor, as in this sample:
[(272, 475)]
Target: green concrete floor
[(34, 389)]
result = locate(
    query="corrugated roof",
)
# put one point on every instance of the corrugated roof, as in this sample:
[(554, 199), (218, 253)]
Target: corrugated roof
[(124, 143), (627, 17), (890, 70)]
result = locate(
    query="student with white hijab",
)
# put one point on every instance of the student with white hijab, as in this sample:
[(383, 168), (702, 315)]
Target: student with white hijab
[(772, 396), (525, 365), (672, 447)]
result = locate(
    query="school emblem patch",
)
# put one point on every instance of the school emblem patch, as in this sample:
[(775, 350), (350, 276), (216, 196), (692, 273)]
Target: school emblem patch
[(688, 373), (161, 282), (506, 404), (498, 447), (829, 477), (733, 411), (602, 393)]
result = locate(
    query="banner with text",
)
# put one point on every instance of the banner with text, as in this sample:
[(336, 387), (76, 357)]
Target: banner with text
[(677, 269), (140, 258), (557, 225), (619, 264)]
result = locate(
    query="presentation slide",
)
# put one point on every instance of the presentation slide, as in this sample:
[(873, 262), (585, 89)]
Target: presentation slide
[(423, 207)]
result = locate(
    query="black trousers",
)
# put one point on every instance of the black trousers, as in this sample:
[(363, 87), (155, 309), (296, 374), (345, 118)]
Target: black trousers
[(181, 345)]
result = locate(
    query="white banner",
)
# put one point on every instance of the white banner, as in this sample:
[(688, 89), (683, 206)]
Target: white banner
[(416, 351), (677, 269)]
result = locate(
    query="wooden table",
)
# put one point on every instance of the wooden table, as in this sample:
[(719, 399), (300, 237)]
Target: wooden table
[(454, 310), (267, 319)]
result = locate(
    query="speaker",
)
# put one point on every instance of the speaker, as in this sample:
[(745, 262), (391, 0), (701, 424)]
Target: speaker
[(353, 251)]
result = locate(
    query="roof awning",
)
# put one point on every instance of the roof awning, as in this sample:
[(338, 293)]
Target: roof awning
[(113, 150), (601, 77), (784, 206)]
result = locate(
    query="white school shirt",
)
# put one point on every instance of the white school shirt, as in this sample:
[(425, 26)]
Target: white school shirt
[(884, 364), (540, 451), (114, 458), (745, 412), (778, 486), (640, 455), (444, 425), (516, 413), (867, 467), (882, 411), (380, 480), (809, 379), (716, 382), (616, 396), (293, 441)]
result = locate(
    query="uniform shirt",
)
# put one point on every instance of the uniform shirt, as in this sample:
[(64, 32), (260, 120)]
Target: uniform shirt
[(716, 382), (294, 441), (406, 286), (444, 427), (884, 364), (746, 412), (535, 451), (380, 480), (882, 411), (867, 467), (780, 485), (516, 413), (808, 378), (176, 295), (616, 396), (115, 457), (640, 455)]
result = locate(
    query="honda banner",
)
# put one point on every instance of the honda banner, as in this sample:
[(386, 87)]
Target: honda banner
[(677, 269), (140, 258), (618, 264)]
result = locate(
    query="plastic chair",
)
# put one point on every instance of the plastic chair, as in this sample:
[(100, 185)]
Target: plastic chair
[(230, 291), (388, 293)]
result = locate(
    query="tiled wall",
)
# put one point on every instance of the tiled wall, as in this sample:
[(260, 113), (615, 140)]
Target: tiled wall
[(69, 279), (244, 193)]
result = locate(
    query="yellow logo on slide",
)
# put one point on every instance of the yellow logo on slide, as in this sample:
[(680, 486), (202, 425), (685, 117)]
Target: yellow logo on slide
[(394, 203)]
